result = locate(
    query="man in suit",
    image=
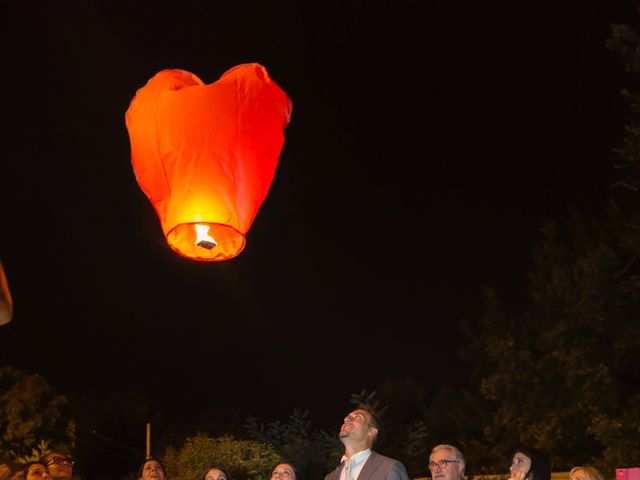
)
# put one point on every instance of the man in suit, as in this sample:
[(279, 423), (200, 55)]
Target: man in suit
[(446, 463), (359, 462)]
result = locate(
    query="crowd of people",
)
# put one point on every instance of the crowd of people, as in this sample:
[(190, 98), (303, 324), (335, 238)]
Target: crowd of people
[(358, 434), (54, 465), (153, 469)]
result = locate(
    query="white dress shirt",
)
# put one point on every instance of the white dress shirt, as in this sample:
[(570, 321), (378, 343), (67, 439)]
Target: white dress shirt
[(353, 465)]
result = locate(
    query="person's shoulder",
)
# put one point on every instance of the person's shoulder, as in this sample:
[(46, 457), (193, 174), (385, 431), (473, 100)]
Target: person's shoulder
[(393, 469), (333, 474), (384, 457)]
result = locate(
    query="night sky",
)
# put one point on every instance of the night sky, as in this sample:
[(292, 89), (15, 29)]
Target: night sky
[(429, 140)]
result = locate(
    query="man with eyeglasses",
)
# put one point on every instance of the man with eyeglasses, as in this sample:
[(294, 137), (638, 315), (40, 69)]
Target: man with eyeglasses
[(59, 466), (358, 434), (446, 463)]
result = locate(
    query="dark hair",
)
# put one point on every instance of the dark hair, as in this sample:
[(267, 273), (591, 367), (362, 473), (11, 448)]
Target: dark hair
[(375, 419), (296, 471), (141, 469), (540, 465), (217, 467)]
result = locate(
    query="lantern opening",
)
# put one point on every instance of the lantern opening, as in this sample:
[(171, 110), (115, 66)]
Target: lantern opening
[(203, 239)]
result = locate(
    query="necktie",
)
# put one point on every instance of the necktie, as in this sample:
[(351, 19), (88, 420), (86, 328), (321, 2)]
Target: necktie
[(348, 464)]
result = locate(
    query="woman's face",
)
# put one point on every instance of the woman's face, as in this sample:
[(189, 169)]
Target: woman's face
[(152, 470), (36, 471), (215, 474), (284, 471), (520, 464)]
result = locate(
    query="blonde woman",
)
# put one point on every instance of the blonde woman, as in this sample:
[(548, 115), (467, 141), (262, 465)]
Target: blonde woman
[(585, 472)]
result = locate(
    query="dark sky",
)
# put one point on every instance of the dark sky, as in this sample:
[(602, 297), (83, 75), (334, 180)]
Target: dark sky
[(428, 142)]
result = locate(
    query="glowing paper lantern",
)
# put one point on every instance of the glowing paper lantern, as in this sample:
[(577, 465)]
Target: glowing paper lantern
[(205, 155)]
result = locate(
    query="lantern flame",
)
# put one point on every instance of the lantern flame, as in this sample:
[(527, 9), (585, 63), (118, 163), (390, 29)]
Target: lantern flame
[(203, 239)]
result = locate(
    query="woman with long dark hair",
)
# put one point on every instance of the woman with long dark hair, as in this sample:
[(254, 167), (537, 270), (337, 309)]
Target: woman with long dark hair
[(529, 464)]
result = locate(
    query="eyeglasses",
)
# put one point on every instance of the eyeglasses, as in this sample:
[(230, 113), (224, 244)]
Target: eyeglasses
[(60, 461), (441, 463)]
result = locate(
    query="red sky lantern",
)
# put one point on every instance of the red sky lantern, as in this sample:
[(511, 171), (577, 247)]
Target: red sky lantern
[(205, 155)]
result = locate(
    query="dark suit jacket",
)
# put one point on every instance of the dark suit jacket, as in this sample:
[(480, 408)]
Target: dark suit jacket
[(377, 467)]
